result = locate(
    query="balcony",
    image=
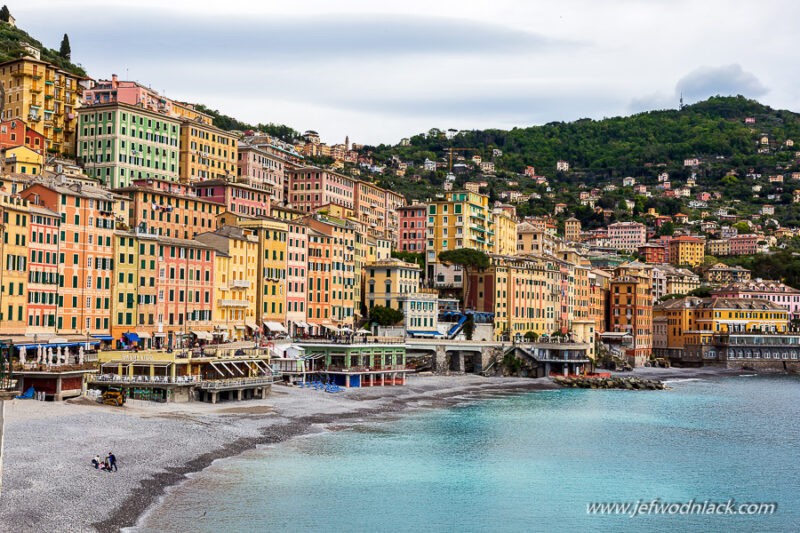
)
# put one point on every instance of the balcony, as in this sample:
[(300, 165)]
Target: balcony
[(241, 284), (234, 303)]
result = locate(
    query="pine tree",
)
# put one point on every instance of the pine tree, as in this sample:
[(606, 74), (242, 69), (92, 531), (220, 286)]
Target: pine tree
[(4, 14), (65, 50)]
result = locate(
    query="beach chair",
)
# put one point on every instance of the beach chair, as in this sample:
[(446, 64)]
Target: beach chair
[(27, 395)]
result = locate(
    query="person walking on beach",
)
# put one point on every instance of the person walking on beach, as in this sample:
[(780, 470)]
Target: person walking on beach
[(112, 462)]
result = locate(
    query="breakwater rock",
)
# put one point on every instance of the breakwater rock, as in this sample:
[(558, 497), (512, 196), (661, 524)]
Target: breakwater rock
[(631, 383)]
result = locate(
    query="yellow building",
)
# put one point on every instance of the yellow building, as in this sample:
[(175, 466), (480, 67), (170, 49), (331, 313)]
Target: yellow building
[(272, 236), (22, 160), (14, 272), (206, 152), (505, 229), (687, 251), (45, 97), (522, 292), (395, 284), (235, 281), (462, 220), (572, 230), (689, 320)]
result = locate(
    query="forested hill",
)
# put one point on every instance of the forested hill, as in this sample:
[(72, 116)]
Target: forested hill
[(724, 132)]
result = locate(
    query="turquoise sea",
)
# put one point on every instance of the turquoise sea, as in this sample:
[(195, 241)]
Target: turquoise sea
[(525, 463)]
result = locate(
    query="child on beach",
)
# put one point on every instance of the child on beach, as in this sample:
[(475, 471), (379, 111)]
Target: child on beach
[(96, 462)]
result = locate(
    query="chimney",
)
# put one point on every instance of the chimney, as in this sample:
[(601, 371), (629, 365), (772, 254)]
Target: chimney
[(114, 81)]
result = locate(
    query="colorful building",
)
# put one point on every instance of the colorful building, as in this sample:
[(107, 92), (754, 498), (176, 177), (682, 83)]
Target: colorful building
[(770, 290), (206, 152), (652, 253), (687, 251), (120, 143), (243, 199), (631, 311), (395, 284), (312, 187), (14, 254), (627, 236), (462, 220), (412, 228), (16, 132), (236, 284), (259, 168), (21, 160), (45, 97), (169, 209), (89, 217), (43, 280), (572, 230)]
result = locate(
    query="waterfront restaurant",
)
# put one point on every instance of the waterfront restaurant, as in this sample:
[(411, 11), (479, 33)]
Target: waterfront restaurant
[(359, 364), (183, 376)]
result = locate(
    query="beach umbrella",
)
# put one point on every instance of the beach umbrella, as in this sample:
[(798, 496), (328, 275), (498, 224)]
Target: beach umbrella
[(49, 355), (39, 355), (80, 355), (22, 355), (58, 355)]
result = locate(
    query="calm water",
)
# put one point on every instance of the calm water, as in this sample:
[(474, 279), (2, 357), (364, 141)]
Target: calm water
[(530, 462)]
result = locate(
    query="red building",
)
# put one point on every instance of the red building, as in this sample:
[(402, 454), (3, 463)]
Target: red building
[(412, 228), (17, 133), (744, 244), (652, 253)]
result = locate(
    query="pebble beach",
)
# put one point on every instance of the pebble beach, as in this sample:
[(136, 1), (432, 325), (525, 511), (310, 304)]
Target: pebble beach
[(49, 483)]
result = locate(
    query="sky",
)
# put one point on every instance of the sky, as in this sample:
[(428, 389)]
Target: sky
[(381, 71)]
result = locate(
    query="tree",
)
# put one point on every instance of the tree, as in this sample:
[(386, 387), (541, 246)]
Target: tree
[(5, 14), (704, 291), (65, 50), (385, 316), (531, 336), (667, 228), (468, 260), (741, 227), (469, 327)]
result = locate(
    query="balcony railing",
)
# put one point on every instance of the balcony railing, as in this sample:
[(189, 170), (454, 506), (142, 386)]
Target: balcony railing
[(241, 283), (234, 303)]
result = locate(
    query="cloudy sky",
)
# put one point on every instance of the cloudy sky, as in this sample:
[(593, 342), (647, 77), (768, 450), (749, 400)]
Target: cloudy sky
[(379, 71)]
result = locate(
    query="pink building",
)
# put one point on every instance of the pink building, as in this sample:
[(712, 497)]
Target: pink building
[(627, 236), (412, 228), (744, 244), (774, 291), (237, 198), (127, 92), (43, 264), (296, 261), (258, 168), (311, 187)]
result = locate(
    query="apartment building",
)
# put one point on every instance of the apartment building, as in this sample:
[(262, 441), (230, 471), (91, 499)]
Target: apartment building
[(627, 236), (411, 237)]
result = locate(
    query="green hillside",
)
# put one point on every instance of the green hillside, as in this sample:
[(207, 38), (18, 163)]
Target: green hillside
[(11, 40)]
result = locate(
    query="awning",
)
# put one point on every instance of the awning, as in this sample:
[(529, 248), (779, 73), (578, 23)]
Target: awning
[(425, 333), (300, 324), (251, 325), (143, 334), (159, 334), (203, 335), (238, 326), (346, 330), (330, 328), (29, 346), (132, 337), (103, 337), (275, 326), (363, 331)]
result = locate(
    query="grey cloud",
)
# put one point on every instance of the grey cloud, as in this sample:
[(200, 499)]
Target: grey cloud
[(291, 38), (724, 80)]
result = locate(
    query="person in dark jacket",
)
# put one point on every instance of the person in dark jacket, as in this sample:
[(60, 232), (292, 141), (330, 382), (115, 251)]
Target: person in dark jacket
[(112, 462)]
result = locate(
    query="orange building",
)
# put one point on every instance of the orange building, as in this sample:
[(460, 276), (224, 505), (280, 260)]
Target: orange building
[(89, 216), (169, 209), (687, 251), (631, 311)]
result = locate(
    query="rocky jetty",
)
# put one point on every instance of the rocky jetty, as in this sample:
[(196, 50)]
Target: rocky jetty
[(626, 383)]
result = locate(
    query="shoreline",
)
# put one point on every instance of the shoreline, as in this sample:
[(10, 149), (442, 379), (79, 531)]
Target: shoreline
[(187, 438)]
